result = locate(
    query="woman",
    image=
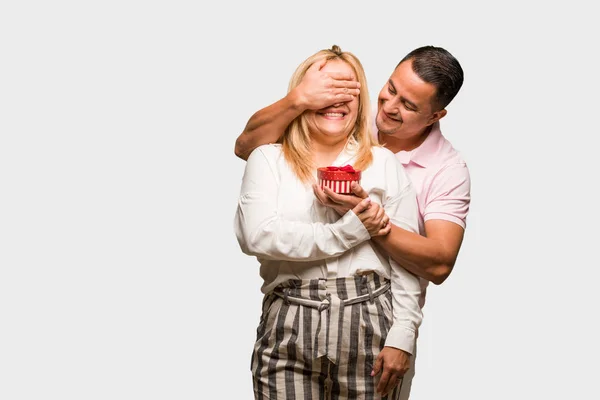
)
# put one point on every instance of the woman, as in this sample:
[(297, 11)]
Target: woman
[(332, 303)]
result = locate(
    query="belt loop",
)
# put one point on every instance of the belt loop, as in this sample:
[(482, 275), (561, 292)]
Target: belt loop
[(372, 299), (286, 291), (324, 306), (366, 283)]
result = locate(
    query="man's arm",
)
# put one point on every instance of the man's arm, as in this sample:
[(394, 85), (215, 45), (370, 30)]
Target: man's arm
[(268, 124), (317, 90), (431, 257)]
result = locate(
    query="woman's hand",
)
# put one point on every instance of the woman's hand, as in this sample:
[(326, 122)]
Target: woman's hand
[(373, 217)]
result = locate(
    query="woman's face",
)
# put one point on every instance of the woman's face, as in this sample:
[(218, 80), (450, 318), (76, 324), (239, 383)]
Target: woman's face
[(339, 119)]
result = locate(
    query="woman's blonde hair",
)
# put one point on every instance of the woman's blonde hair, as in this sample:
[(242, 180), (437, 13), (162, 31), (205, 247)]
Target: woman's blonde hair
[(296, 139)]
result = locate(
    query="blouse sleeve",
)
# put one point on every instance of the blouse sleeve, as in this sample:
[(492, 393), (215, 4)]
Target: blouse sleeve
[(262, 232)]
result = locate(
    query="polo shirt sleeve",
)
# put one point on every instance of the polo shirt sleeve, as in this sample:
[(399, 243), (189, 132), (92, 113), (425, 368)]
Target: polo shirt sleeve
[(262, 232), (449, 195)]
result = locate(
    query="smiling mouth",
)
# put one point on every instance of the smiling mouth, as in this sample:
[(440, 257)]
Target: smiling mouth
[(387, 116), (334, 115)]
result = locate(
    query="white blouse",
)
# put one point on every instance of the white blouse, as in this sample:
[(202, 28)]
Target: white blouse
[(280, 221)]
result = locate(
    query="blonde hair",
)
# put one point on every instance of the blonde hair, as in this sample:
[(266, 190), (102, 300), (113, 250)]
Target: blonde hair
[(296, 141)]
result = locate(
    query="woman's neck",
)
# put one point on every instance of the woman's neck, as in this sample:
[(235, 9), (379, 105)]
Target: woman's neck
[(324, 154)]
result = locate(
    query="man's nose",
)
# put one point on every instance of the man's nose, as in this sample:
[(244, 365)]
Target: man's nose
[(390, 107)]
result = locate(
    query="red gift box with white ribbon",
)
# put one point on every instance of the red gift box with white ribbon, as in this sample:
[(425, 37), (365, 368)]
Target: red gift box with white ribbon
[(338, 179)]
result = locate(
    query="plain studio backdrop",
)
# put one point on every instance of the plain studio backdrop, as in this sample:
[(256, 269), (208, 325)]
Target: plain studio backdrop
[(120, 275)]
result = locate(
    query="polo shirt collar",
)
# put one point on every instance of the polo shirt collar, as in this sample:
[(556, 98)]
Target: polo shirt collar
[(425, 154)]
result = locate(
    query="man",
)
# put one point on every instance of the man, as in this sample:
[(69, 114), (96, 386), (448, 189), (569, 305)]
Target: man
[(409, 108)]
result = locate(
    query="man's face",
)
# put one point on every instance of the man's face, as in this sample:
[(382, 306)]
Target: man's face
[(405, 104)]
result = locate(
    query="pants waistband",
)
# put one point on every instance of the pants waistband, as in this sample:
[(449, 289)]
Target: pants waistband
[(346, 288), (329, 297), (289, 296)]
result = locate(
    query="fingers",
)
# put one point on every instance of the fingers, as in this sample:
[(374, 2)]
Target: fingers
[(395, 364), (347, 200), (385, 225), (341, 203), (344, 95), (342, 98), (344, 80), (333, 196), (380, 215), (388, 380), (377, 366), (384, 231), (362, 206), (385, 220), (322, 197), (319, 89), (388, 383), (372, 218), (338, 80), (358, 190), (328, 197), (343, 90), (337, 90)]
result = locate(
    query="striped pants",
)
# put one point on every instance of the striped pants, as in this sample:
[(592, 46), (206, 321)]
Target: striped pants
[(318, 339)]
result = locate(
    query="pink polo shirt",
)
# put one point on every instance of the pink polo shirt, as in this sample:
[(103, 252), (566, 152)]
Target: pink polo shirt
[(441, 179)]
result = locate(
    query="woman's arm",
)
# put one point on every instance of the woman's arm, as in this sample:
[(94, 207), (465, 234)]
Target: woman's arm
[(262, 232)]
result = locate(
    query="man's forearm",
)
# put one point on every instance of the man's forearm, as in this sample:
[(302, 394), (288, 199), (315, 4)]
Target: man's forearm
[(424, 257), (268, 124)]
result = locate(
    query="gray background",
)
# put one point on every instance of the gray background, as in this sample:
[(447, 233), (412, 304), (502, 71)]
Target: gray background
[(120, 275)]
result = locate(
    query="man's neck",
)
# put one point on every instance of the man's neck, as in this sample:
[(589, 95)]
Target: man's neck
[(395, 145)]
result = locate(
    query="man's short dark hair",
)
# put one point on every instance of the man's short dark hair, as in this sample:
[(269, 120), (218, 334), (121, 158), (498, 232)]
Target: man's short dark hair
[(437, 66)]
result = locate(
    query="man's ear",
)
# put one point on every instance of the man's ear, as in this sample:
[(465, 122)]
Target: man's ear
[(436, 116)]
